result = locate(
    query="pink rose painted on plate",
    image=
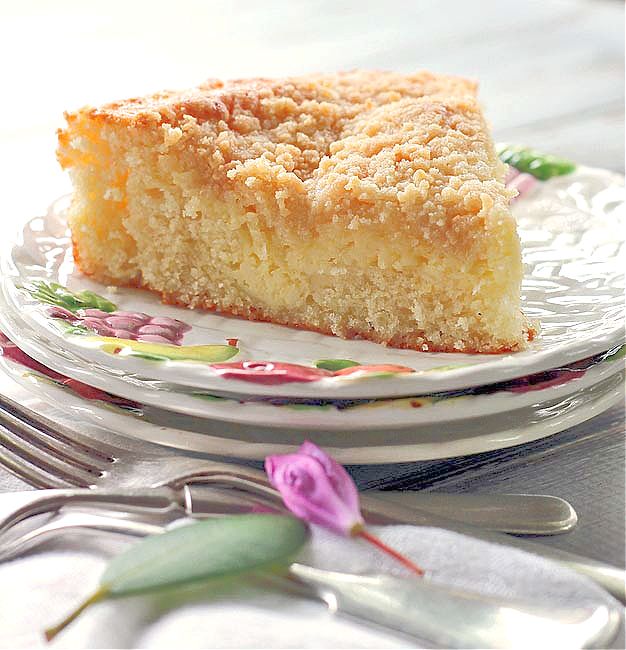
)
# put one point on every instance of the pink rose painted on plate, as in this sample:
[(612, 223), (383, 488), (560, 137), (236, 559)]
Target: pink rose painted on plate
[(134, 326)]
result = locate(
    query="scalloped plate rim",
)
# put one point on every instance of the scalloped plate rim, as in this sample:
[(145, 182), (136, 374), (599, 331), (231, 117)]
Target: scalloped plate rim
[(530, 426), (395, 414)]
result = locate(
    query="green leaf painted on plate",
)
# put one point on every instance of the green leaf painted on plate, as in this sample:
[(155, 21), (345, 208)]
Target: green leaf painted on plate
[(215, 548), (335, 364), (52, 293), (211, 398), (161, 352), (375, 375), (451, 366), (617, 353), (308, 407), (540, 165), (68, 328)]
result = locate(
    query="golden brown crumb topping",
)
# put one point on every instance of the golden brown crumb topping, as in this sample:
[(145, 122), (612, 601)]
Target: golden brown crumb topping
[(356, 145), (290, 122)]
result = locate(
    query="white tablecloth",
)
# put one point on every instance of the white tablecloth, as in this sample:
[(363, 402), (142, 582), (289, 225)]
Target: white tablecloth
[(40, 589)]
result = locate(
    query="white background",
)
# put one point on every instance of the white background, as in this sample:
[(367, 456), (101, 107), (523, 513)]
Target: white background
[(551, 73)]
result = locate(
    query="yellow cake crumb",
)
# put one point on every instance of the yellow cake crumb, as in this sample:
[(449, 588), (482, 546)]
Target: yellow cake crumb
[(364, 204)]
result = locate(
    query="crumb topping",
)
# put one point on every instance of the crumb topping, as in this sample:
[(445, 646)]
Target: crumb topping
[(360, 146)]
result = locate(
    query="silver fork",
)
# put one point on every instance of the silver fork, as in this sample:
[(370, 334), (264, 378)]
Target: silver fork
[(48, 454), (54, 525)]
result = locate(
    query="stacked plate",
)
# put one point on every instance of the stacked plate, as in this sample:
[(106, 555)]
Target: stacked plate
[(208, 383)]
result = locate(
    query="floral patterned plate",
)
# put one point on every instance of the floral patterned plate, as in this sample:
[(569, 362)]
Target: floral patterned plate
[(70, 402), (570, 220), (315, 414)]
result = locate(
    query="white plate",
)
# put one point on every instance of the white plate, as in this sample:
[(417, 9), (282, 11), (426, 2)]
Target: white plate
[(571, 227), (471, 436), (338, 415)]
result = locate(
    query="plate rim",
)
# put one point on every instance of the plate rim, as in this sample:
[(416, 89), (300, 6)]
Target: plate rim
[(291, 419), (498, 438)]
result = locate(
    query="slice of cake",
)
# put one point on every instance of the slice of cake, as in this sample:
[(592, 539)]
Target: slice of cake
[(366, 205)]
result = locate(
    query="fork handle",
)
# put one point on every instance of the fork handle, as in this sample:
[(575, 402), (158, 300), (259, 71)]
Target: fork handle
[(158, 500)]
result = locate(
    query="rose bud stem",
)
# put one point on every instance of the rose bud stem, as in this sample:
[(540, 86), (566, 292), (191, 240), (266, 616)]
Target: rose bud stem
[(378, 543)]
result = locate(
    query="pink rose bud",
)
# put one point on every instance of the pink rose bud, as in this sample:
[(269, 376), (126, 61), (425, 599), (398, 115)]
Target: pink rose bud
[(316, 488)]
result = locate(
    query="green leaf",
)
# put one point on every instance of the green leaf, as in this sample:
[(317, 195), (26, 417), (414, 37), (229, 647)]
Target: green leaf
[(215, 548), (161, 351), (335, 364), (451, 366), (615, 353), (210, 398), (206, 549), (96, 301), (68, 328), (52, 293), (309, 407), (540, 165)]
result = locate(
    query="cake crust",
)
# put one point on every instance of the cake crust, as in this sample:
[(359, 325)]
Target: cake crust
[(380, 175), (276, 140)]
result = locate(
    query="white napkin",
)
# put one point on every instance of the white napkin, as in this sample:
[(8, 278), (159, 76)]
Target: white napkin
[(39, 590)]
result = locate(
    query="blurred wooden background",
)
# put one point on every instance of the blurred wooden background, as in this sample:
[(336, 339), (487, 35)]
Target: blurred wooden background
[(551, 72)]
